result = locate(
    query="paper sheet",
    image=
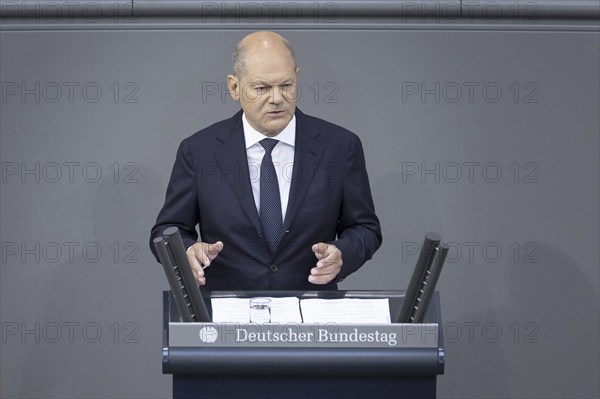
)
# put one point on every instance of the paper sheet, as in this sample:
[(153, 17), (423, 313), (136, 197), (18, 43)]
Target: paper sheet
[(237, 310), (346, 310)]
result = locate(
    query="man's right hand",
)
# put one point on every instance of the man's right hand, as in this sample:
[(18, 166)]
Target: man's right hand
[(200, 255)]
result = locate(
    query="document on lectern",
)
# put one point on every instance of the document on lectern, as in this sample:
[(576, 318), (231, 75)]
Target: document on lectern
[(294, 310), (346, 311), (237, 310)]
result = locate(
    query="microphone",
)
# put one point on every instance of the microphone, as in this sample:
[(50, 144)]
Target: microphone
[(184, 287), (424, 278)]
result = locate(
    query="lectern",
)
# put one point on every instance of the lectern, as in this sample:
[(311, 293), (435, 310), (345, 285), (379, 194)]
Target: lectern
[(209, 360)]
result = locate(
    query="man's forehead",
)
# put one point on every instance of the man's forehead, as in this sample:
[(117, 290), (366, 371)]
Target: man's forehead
[(270, 78)]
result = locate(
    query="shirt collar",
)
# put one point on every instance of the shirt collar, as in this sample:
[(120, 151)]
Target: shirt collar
[(253, 136)]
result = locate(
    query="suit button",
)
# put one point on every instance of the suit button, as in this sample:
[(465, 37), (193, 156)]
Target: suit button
[(274, 268)]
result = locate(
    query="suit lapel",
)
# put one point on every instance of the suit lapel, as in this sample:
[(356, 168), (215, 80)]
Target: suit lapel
[(307, 155), (233, 162)]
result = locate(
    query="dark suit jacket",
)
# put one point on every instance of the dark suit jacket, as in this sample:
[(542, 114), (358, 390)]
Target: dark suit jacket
[(330, 201)]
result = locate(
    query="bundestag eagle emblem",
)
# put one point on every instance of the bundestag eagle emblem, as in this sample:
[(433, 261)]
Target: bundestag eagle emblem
[(208, 334)]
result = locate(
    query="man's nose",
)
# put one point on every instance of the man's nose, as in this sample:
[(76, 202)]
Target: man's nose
[(275, 95)]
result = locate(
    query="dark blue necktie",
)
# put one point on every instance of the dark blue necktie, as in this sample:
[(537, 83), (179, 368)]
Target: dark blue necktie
[(271, 220)]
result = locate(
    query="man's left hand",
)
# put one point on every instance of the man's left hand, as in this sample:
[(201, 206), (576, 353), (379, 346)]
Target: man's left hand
[(329, 263)]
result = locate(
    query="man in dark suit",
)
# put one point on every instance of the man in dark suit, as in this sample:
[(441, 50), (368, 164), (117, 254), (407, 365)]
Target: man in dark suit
[(292, 212)]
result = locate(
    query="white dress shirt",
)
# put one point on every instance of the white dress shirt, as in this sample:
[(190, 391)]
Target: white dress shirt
[(283, 160)]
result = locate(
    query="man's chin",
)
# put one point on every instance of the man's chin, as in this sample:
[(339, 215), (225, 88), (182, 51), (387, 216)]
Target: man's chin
[(272, 132), (275, 127)]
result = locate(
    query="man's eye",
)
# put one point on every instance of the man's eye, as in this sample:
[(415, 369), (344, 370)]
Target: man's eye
[(260, 88)]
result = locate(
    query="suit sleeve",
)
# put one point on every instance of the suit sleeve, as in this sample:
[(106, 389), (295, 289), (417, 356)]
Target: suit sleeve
[(181, 203), (358, 230)]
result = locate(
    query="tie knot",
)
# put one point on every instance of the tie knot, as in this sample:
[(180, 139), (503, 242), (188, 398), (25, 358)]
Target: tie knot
[(269, 144)]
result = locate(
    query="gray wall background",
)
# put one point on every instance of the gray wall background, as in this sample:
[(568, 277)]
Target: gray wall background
[(483, 130)]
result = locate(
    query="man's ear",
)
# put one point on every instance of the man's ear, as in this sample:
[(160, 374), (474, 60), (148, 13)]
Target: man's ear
[(233, 84)]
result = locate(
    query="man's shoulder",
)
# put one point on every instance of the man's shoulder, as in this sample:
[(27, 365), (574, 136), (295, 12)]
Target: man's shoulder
[(209, 133), (328, 129)]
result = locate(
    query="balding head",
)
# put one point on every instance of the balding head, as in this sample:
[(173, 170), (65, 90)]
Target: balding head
[(261, 42)]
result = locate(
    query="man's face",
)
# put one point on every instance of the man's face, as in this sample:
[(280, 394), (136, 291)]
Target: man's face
[(267, 90)]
